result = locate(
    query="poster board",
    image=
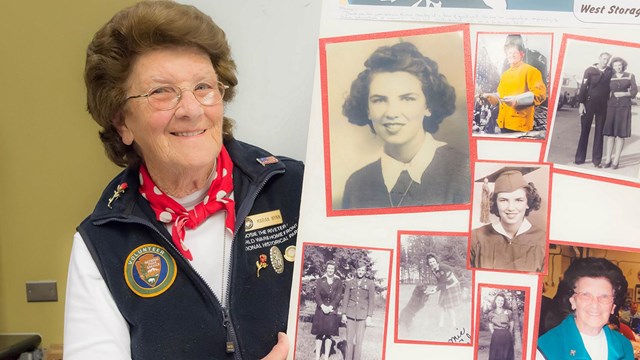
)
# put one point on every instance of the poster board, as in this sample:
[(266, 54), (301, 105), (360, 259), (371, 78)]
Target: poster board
[(586, 206)]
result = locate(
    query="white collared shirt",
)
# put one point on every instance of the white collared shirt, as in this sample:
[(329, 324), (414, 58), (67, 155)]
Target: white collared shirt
[(524, 227), (391, 168), (91, 309)]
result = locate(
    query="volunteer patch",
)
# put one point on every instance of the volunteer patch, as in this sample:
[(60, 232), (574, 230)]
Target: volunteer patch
[(149, 270)]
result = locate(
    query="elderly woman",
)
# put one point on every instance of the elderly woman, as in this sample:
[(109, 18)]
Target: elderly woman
[(511, 243), (617, 125), (326, 320), (501, 327), (403, 98), (167, 266), (596, 288)]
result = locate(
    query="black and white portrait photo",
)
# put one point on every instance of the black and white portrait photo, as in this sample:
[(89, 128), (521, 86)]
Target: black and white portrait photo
[(511, 85), (434, 289), (502, 322), (596, 126), (343, 306), (395, 121)]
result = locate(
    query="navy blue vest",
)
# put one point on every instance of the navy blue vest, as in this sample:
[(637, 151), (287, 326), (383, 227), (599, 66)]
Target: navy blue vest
[(186, 321)]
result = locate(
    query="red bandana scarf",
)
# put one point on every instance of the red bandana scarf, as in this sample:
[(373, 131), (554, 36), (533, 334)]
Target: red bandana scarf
[(168, 210)]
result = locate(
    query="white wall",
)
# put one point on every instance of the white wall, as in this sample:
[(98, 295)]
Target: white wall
[(274, 44)]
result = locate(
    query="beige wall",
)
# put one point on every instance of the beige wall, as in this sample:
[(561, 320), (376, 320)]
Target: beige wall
[(52, 166), (562, 256)]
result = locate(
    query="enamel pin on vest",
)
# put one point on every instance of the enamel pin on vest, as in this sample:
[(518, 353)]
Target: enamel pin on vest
[(117, 192)]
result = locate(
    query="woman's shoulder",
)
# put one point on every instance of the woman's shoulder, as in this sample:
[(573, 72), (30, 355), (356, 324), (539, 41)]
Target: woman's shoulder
[(483, 230), (619, 340), (367, 171), (248, 156), (536, 231), (451, 153), (451, 163)]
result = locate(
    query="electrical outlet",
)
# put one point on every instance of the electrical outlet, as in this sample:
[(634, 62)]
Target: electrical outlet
[(42, 291)]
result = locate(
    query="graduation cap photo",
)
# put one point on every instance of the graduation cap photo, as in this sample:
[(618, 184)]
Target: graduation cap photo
[(509, 218)]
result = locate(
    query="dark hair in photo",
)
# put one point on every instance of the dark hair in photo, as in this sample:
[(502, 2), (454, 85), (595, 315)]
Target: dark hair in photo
[(503, 296), (594, 268), (404, 56), (432, 256), (620, 60), (329, 262), (533, 200)]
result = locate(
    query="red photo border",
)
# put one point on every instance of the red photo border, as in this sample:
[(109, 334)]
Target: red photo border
[(397, 288), (556, 86), (525, 325), (536, 326), (386, 314), (473, 212), (550, 99), (323, 42)]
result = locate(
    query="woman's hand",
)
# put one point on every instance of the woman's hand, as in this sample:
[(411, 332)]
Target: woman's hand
[(280, 350), (582, 109), (344, 318), (493, 99)]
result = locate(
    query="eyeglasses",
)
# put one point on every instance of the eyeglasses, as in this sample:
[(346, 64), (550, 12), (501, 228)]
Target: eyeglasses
[(604, 299), (168, 97)]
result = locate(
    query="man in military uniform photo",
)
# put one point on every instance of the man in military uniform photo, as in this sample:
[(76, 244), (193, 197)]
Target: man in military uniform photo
[(358, 303)]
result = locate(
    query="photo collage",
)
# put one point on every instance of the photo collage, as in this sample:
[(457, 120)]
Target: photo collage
[(459, 176)]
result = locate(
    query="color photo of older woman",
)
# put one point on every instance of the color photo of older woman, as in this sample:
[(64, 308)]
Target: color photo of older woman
[(396, 129), (594, 289), (510, 217)]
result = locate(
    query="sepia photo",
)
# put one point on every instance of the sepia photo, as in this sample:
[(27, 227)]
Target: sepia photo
[(395, 121), (509, 223)]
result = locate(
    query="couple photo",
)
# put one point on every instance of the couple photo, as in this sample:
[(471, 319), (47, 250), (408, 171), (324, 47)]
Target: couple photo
[(596, 127), (343, 302)]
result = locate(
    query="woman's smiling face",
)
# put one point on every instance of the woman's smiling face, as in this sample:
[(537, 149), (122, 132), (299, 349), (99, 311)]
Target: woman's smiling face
[(188, 137), (512, 206), (617, 66), (593, 302), (397, 107)]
